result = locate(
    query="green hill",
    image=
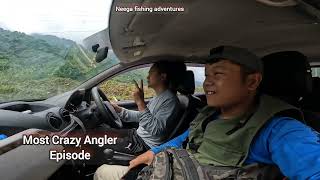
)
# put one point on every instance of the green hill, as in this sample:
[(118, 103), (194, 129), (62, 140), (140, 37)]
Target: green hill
[(40, 66)]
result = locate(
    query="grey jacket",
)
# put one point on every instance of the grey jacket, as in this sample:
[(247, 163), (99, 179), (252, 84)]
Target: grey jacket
[(156, 121)]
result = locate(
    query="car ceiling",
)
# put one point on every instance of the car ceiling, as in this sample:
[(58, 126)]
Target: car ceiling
[(261, 28)]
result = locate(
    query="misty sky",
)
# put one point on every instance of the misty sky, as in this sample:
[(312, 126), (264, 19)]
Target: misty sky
[(71, 19)]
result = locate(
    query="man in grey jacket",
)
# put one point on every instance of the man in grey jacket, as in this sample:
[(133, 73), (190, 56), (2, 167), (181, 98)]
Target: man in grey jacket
[(156, 117)]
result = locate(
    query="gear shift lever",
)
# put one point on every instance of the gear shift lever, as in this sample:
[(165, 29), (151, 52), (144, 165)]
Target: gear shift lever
[(114, 155)]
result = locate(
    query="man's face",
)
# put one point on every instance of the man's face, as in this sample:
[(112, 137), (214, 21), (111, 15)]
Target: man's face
[(155, 78), (224, 86)]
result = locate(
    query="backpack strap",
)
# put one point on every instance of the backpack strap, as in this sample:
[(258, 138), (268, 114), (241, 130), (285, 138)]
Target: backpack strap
[(188, 165), (252, 172)]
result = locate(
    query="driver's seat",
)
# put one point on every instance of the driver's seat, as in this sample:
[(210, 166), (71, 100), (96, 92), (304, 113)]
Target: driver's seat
[(189, 103)]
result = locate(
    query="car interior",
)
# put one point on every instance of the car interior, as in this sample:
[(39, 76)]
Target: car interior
[(283, 34), (293, 85)]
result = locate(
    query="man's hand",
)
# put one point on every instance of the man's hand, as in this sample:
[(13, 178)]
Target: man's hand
[(145, 158), (117, 108), (138, 96)]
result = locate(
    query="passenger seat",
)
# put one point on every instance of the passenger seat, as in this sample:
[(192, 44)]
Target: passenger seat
[(287, 75), (190, 104)]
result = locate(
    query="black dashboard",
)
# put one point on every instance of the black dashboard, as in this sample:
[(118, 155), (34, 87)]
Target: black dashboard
[(18, 116), (33, 115)]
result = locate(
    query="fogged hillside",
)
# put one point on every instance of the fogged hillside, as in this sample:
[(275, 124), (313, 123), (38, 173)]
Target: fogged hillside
[(39, 66)]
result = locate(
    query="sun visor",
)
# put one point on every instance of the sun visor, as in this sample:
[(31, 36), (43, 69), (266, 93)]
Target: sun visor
[(101, 38)]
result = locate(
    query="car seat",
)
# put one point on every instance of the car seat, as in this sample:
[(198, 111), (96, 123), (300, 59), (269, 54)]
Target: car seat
[(189, 103), (311, 105), (287, 75)]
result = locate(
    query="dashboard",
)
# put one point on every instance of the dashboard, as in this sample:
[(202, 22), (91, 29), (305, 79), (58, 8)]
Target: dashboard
[(21, 115), (20, 118)]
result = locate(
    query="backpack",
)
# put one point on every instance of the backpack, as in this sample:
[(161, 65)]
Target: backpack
[(178, 164)]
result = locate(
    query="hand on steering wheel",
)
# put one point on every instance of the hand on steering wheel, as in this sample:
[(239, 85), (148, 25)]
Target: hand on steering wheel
[(117, 108), (105, 108)]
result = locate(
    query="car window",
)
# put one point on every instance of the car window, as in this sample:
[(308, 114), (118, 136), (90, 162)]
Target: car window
[(198, 77), (121, 86), (315, 72), (42, 49)]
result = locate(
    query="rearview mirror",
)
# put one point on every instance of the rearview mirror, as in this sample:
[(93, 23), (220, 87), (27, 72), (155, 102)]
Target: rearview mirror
[(101, 53)]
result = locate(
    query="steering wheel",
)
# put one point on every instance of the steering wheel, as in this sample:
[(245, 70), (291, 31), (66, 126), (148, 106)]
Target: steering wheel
[(105, 108)]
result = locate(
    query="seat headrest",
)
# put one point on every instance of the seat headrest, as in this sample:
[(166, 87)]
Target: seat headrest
[(286, 74), (187, 84)]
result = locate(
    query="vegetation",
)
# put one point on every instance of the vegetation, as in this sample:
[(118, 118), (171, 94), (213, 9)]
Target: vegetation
[(121, 87), (39, 66), (116, 90)]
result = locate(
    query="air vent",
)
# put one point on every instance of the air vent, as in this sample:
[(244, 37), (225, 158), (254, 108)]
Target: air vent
[(65, 115), (54, 121)]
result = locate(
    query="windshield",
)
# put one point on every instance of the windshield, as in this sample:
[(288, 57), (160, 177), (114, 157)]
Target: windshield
[(41, 49)]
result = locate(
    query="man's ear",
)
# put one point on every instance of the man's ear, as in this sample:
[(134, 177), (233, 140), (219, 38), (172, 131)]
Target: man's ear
[(253, 81)]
